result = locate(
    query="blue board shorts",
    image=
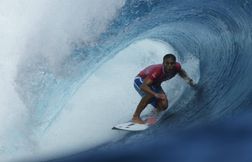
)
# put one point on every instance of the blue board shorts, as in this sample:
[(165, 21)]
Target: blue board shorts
[(137, 84)]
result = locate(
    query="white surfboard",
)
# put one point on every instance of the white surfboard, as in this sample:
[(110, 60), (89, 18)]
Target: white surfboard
[(130, 126), (150, 120)]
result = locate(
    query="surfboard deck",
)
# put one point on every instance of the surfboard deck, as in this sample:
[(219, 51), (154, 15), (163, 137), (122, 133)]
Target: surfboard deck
[(131, 126)]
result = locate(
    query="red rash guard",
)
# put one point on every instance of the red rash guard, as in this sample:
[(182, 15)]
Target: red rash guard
[(157, 74)]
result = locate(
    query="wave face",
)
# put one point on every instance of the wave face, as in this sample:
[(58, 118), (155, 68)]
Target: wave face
[(75, 88)]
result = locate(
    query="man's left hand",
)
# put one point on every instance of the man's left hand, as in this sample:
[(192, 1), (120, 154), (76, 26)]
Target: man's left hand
[(192, 84)]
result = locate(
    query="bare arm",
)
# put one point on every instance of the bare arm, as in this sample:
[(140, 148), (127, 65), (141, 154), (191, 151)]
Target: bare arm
[(146, 88), (183, 74)]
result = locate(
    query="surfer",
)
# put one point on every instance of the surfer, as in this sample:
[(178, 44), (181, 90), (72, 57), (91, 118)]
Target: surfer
[(148, 84)]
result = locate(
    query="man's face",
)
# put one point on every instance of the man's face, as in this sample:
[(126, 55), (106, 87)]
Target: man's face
[(169, 64)]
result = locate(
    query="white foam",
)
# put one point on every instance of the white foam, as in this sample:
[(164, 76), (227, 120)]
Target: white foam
[(41, 28)]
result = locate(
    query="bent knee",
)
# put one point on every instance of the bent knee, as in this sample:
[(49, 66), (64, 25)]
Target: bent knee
[(163, 105)]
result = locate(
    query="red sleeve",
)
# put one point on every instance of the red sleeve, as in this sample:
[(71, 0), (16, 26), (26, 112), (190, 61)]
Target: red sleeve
[(178, 67)]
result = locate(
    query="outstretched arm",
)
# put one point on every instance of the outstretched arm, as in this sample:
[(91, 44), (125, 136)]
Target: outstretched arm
[(184, 75)]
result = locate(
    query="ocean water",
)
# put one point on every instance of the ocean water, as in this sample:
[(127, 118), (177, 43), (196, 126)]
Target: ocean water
[(68, 69)]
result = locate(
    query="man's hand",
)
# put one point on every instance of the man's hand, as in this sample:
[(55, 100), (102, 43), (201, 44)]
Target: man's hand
[(160, 96), (192, 84)]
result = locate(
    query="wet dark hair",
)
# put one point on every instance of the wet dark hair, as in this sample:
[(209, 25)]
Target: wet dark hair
[(169, 56)]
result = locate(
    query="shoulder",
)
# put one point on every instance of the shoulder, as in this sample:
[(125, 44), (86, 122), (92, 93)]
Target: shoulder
[(158, 68), (155, 68), (155, 71), (178, 66)]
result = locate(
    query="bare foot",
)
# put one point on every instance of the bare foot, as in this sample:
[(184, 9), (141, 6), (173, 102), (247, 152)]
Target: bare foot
[(151, 120), (137, 120)]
